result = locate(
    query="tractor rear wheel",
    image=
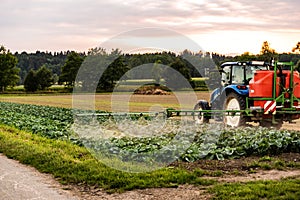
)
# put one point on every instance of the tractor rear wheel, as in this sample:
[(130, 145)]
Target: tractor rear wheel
[(200, 118), (236, 102)]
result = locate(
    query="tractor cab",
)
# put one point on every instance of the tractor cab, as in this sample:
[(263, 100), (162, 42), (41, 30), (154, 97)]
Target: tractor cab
[(240, 73)]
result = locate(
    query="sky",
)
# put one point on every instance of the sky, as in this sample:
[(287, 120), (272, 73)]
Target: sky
[(221, 26)]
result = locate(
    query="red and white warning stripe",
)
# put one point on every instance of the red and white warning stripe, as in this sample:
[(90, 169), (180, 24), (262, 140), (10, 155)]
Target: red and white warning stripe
[(270, 107)]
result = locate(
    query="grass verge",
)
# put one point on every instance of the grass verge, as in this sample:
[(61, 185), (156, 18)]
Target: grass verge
[(72, 164), (269, 163)]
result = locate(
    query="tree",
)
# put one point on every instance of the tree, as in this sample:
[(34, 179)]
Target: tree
[(267, 53), (9, 73), (297, 48), (44, 78), (53, 61), (114, 71), (30, 82), (38, 80), (246, 56), (176, 80), (70, 69), (91, 70)]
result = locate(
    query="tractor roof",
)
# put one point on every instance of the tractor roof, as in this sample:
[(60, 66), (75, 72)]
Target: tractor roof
[(256, 63)]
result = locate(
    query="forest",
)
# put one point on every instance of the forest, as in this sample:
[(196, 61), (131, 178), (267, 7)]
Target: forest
[(39, 70)]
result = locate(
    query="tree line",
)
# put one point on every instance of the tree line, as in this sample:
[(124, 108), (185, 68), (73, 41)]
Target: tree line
[(39, 70)]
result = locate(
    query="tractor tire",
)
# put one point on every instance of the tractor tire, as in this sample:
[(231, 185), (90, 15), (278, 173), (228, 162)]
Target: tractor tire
[(234, 101), (200, 118)]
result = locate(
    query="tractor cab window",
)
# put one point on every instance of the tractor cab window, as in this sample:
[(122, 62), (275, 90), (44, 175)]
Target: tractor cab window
[(238, 74), (249, 73), (226, 76)]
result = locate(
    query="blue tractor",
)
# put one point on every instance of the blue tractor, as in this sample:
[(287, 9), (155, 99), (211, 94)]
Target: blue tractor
[(230, 98)]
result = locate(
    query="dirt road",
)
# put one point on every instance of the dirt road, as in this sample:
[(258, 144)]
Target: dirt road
[(20, 182)]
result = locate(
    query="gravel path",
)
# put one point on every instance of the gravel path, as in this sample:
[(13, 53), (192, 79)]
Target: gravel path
[(20, 182)]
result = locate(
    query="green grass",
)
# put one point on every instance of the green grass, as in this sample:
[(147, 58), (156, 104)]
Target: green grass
[(268, 163), (199, 78), (72, 164), (271, 190)]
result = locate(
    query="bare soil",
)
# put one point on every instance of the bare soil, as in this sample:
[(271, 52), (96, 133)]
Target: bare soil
[(183, 192), (242, 165)]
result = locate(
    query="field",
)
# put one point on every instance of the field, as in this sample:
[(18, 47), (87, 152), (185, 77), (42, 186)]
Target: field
[(237, 155), (103, 101)]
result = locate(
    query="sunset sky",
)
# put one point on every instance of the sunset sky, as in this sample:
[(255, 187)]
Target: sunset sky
[(222, 26)]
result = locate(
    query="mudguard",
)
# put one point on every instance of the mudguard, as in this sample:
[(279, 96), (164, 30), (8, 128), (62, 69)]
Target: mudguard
[(236, 89), (218, 95), (215, 95)]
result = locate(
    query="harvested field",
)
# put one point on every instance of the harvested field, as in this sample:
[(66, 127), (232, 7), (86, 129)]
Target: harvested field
[(104, 101)]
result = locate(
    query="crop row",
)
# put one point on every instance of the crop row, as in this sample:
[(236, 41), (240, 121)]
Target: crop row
[(226, 143), (48, 121)]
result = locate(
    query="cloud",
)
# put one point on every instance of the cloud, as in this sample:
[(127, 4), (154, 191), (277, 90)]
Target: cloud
[(53, 23)]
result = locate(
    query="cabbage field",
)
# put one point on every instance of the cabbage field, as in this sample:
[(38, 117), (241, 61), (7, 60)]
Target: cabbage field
[(48, 121), (58, 123)]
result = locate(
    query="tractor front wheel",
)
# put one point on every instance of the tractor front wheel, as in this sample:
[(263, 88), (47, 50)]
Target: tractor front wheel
[(200, 118), (235, 102)]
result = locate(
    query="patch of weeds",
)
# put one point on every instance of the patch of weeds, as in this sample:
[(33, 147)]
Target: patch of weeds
[(252, 171), (236, 172), (200, 172), (217, 173), (265, 159), (279, 164), (271, 190), (268, 163), (253, 165), (266, 166), (203, 182), (293, 165), (213, 173)]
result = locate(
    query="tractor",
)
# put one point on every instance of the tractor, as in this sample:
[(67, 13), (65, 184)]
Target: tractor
[(254, 91)]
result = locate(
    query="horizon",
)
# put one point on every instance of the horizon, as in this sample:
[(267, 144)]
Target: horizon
[(141, 52)]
